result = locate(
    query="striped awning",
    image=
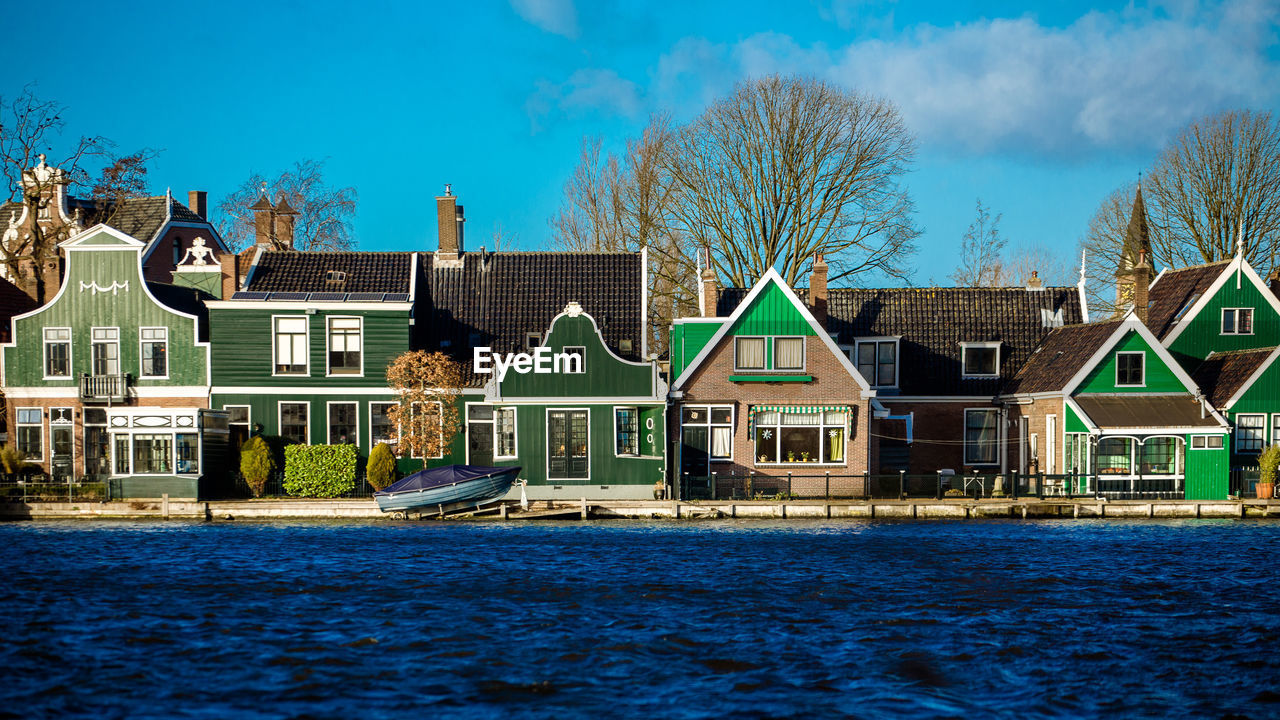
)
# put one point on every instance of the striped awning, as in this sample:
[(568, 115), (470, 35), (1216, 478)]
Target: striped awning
[(751, 416)]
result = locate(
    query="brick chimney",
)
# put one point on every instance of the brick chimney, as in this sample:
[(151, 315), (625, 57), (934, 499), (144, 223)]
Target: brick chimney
[(230, 276), (264, 221), (285, 215), (818, 289), (1141, 286), (198, 201), (710, 294), (449, 220), (1273, 282)]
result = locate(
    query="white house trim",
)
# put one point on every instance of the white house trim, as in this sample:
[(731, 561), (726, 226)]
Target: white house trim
[(1237, 265), (1252, 379)]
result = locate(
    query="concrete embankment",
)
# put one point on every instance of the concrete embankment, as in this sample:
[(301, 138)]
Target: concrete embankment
[(959, 509)]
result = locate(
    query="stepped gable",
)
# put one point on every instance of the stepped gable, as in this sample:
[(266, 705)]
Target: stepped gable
[(308, 272), (932, 323), (1061, 355), (1222, 374), (494, 299), (1174, 290)]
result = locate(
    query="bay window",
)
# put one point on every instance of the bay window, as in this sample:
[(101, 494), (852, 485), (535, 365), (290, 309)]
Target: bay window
[(1159, 456), (152, 454), (1115, 456)]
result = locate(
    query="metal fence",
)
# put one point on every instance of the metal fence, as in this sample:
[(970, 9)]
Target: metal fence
[(902, 485), (275, 487), (41, 489)]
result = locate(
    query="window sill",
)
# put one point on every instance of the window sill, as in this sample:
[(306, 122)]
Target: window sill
[(770, 378), (800, 463)]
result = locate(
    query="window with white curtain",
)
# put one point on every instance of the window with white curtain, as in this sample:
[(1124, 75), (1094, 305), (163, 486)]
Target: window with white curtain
[(800, 437), (719, 423), (748, 353), (788, 353)]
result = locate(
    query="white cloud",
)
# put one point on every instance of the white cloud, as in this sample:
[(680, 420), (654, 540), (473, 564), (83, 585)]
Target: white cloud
[(585, 91), (555, 16), (1106, 82)]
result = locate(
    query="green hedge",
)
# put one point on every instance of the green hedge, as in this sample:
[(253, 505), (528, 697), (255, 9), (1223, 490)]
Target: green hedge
[(321, 471)]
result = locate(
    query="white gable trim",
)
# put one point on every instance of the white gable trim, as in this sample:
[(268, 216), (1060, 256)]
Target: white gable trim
[(1239, 264), (1080, 413), (771, 275), (75, 241), (1131, 322), (1252, 378)]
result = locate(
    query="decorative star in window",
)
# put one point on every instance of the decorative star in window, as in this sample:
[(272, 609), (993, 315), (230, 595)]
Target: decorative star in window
[(767, 434)]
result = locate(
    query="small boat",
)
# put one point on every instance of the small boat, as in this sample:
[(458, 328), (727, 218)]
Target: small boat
[(455, 486)]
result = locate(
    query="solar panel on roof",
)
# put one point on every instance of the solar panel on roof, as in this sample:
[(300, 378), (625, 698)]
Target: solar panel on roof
[(288, 296), (329, 296), (365, 297), (395, 297), (249, 295)]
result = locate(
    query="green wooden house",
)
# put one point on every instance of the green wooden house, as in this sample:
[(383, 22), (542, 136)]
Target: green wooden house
[(301, 351), (592, 425), (1244, 385), (110, 379), (1129, 421)]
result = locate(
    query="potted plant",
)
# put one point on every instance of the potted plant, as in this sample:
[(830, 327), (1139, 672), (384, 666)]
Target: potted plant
[(1267, 466), (804, 456), (791, 456)]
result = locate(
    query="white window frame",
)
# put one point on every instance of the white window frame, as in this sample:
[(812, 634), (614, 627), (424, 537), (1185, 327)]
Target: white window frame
[(44, 354), (248, 414), (733, 425), (328, 345), (328, 420), (823, 426), (639, 430), (964, 371), (440, 415), (280, 417), (773, 340), (141, 342), (876, 341), (1235, 321), (43, 434), (515, 432), (1203, 441), (1275, 428), (964, 431), (1239, 437), (532, 340), (764, 353), (546, 428), (1140, 353), (275, 346), (94, 343), (1051, 444), (391, 442)]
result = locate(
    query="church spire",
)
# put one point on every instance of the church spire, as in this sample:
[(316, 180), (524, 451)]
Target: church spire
[(1137, 238)]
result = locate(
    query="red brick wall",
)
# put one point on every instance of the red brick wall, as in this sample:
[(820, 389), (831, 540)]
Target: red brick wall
[(831, 385), (1036, 415), (937, 437)]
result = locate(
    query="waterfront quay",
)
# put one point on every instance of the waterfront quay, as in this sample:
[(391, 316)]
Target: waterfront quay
[(909, 509)]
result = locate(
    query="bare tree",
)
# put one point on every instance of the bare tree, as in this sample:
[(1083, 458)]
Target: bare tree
[(29, 128), (784, 168), (1103, 247), (1221, 175), (981, 246), (622, 204), (324, 212), (1054, 269)]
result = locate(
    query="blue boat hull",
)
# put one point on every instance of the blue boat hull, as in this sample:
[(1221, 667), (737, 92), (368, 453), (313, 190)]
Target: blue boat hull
[(476, 490)]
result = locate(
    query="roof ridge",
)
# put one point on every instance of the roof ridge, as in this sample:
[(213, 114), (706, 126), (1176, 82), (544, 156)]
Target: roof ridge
[(1247, 351), (1200, 266)]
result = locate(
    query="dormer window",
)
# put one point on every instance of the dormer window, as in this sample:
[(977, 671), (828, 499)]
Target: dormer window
[(1237, 321), (877, 361), (335, 277), (532, 340), (980, 359)]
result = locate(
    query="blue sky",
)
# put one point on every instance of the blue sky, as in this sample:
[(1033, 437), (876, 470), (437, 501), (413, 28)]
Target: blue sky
[(1040, 109)]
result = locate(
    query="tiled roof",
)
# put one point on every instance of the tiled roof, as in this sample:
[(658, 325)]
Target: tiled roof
[(307, 272), (12, 302), (932, 323), (1145, 411), (494, 299), (139, 218), (1174, 290), (1060, 357), (1222, 374)]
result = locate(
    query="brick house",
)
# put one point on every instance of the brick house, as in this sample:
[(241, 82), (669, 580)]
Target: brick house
[(764, 391)]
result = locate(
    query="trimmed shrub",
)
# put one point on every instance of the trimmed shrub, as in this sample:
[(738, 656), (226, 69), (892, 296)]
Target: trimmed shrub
[(381, 468), (12, 460), (256, 464), (320, 471)]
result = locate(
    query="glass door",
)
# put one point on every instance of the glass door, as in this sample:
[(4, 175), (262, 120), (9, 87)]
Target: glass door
[(480, 435), (567, 443)]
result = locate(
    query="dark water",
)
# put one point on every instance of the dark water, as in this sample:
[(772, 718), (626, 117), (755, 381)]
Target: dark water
[(975, 619)]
